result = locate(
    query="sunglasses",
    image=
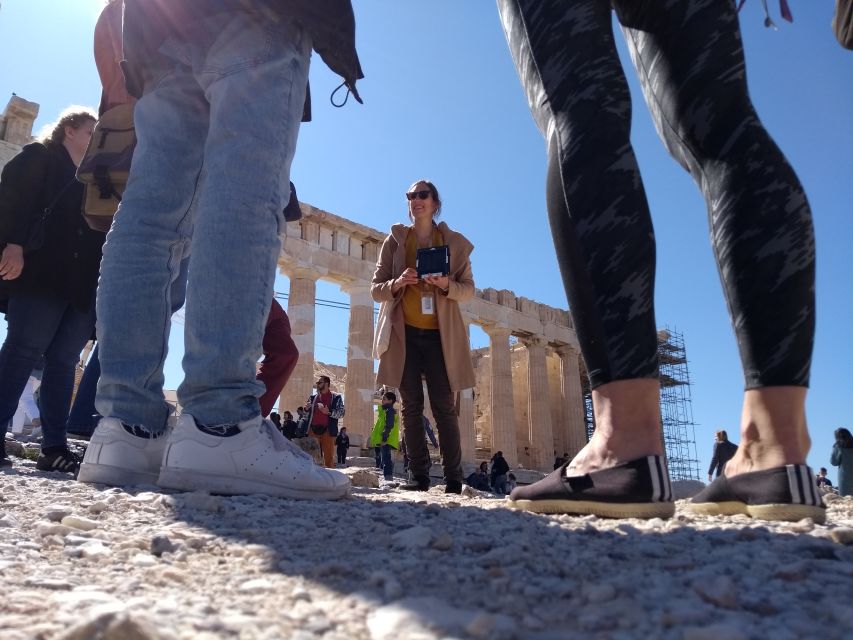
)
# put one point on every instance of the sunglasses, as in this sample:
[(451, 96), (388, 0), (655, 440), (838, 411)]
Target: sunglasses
[(423, 195)]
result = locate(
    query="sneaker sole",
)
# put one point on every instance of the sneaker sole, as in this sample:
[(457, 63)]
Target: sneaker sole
[(601, 509), (191, 480), (771, 512), (114, 476)]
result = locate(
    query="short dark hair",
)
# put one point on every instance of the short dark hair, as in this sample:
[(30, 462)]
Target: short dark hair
[(390, 395), (325, 379)]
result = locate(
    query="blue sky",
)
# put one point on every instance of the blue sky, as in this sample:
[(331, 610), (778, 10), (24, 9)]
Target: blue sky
[(442, 101)]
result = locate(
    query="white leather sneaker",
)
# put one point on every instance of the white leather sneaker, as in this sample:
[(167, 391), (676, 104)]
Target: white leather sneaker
[(257, 460), (119, 458)]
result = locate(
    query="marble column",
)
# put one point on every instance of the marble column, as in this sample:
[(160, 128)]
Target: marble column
[(559, 416), (538, 404), (466, 425), (572, 399), (360, 378), (301, 311), (501, 406)]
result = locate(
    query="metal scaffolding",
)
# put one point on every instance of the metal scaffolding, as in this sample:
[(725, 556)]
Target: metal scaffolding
[(676, 406)]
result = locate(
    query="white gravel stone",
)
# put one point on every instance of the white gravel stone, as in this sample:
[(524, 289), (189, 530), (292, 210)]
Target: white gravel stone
[(413, 537), (79, 522)]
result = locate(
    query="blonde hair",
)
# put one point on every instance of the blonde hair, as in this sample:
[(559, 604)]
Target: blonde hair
[(74, 116)]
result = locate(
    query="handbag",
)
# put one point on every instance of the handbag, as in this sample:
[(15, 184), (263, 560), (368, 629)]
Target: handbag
[(106, 166), (842, 23)]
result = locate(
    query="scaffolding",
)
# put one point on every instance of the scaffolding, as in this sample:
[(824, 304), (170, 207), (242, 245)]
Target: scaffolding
[(676, 406)]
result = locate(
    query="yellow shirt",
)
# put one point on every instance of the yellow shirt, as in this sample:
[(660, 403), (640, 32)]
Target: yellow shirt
[(413, 293)]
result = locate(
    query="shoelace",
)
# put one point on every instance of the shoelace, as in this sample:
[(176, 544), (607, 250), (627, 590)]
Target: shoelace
[(280, 443)]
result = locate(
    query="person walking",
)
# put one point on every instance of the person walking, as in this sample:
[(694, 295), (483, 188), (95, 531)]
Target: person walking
[(842, 457), (689, 59), (500, 469), (221, 89), (48, 275), (723, 452), (428, 338)]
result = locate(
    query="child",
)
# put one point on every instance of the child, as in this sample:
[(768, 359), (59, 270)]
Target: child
[(386, 433)]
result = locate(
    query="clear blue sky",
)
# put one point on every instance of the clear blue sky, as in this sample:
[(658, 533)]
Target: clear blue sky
[(442, 101)]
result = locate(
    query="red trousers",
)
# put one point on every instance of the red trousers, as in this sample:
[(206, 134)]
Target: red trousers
[(280, 357)]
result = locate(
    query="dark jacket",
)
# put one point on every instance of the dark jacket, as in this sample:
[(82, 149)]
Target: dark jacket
[(499, 466), (67, 263), (336, 412), (342, 441), (147, 23), (723, 452)]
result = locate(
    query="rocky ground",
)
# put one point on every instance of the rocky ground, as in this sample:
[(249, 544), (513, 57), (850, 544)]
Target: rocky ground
[(84, 562)]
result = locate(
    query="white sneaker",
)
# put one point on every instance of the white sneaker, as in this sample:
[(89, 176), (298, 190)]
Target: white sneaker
[(119, 458), (257, 460)]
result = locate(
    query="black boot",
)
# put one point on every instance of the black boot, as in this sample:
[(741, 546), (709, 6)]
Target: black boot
[(453, 486), (418, 483)]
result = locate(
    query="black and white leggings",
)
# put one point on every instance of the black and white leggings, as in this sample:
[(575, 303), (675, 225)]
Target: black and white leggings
[(689, 59)]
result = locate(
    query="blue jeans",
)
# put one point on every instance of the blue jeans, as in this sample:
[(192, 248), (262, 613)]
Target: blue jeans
[(42, 324), (216, 134), (387, 462), (84, 417)]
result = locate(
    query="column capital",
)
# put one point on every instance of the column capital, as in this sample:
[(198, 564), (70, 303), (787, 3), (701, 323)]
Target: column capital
[(356, 288), (299, 272), (565, 351), (497, 331), (535, 341)]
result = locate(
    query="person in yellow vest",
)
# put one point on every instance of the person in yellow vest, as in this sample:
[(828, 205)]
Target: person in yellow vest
[(386, 434)]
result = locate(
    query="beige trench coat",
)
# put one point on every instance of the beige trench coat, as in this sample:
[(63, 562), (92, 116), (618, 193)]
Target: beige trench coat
[(454, 334)]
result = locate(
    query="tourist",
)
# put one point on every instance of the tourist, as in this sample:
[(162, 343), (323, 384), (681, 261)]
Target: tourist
[(824, 483), (322, 412), (428, 337), (500, 467), (723, 452), (275, 418), (342, 446), (479, 479), (691, 69), (48, 275), (842, 457), (511, 482), (214, 149), (288, 425), (385, 435)]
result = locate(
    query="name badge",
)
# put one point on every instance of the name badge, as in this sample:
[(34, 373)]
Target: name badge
[(427, 304)]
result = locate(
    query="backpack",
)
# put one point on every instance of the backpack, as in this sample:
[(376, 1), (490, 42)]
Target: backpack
[(106, 166)]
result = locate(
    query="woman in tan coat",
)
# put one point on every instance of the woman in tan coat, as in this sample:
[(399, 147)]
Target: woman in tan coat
[(421, 333)]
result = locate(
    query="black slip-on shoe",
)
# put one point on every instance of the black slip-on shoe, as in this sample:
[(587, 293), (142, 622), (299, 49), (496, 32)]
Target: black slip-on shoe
[(781, 493), (453, 486), (636, 489), (418, 483)]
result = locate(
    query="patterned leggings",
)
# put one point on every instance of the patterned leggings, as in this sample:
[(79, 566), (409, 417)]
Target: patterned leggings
[(689, 59)]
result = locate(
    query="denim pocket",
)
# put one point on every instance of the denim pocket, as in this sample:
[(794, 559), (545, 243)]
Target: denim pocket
[(243, 41)]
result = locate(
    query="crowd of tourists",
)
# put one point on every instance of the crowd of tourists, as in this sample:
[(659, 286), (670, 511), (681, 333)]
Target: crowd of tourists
[(218, 93)]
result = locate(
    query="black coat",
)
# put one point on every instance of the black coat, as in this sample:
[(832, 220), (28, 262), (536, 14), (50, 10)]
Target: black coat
[(67, 263)]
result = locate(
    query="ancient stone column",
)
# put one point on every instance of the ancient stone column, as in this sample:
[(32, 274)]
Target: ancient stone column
[(501, 406), (300, 310), (360, 379), (559, 416), (466, 425), (572, 399), (538, 404)]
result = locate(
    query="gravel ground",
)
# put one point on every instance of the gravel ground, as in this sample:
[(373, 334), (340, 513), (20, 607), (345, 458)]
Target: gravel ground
[(84, 561)]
